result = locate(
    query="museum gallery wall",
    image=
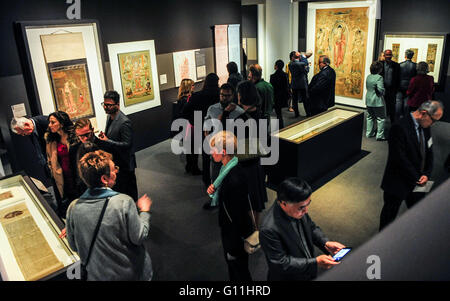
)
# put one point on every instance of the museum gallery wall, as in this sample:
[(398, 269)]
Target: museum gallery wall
[(345, 32)]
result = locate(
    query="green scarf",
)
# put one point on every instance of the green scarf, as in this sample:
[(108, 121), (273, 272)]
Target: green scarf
[(224, 170)]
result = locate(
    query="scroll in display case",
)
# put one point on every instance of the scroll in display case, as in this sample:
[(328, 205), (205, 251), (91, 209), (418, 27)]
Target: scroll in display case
[(314, 146), (30, 246)]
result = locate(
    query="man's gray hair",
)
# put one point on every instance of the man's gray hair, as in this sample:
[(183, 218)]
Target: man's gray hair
[(431, 106), (409, 54), (18, 122)]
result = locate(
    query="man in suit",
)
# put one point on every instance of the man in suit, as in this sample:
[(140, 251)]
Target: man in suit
[(321, 88), (299, 83), (118, 140), (279, 82), (391, 75), (410, 159), (35, 128), (288, 235), (407, 71)]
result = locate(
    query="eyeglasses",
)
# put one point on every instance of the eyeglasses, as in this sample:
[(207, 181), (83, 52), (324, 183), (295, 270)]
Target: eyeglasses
[(87, 135), (108, 105)]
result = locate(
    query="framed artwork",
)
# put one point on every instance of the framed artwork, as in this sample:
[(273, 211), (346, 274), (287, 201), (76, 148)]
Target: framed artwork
[(71, 89), (221, 52), (184, 66), (135, 75), (345, 32), (62, 63), (427, 47)]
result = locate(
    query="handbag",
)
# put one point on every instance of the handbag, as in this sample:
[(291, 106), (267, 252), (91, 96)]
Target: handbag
[(251, 243), (84, 273)]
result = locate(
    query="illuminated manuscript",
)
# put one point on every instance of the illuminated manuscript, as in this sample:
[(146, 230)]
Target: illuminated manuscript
[(136, 77), (341, 34), (31, 250)]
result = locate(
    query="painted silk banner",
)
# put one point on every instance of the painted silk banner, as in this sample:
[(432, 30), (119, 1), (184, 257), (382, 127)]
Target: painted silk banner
[(341, 34)]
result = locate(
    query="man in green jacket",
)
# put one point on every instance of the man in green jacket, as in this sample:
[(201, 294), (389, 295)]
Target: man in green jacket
[(265, 91)]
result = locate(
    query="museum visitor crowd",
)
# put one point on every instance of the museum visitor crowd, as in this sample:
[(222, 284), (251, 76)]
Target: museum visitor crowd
[(95, 185)]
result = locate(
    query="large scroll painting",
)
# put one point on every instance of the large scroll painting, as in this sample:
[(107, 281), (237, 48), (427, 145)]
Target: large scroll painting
[(71, 88), (136, 77), (341, 34)]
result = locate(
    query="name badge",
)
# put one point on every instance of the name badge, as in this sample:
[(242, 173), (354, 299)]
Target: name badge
[(430, 142)]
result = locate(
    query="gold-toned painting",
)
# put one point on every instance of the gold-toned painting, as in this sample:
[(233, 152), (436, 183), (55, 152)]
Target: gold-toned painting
[(416, 51), (341, 34), (395, 51), (431, 56), (136, 77), (71, 89)]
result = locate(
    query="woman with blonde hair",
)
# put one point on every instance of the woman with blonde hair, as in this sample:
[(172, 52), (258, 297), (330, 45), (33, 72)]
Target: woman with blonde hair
[(230, 191), (107, 228), (184, 93)]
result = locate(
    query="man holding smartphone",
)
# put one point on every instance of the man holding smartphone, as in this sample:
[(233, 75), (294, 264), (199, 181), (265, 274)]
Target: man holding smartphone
[(288, 236)]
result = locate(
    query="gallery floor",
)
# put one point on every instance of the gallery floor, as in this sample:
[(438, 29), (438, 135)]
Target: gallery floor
[(185, 242)]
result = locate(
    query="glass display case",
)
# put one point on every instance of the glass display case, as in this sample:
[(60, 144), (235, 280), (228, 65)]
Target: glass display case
[(314, 146), (30, 246)]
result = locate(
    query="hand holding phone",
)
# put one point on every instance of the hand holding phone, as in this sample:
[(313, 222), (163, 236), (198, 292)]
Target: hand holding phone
[(339, 255)]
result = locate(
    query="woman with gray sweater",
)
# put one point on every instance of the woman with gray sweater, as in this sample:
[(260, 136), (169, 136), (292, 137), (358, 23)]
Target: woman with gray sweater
[(117, 252)]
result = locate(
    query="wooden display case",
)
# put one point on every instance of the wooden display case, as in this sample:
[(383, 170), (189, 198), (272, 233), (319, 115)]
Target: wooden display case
[(30, 246), (314, 146)]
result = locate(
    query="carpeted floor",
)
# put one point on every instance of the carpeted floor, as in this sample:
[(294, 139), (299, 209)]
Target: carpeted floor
[(185, 242)]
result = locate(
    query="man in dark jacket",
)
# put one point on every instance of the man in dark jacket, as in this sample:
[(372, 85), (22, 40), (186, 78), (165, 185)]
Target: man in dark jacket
[(299, 83), (410, 159), (279, 82), (288, 236), (391, 75), (118, 140), (321, 88), (407, 71)]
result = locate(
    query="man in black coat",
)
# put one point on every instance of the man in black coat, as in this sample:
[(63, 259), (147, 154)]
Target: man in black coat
[(407, 71), (321, 88), (410, 159), (279, 82), (35, 128), (118, 140), (299, 83), (288, 236), (391, 75)]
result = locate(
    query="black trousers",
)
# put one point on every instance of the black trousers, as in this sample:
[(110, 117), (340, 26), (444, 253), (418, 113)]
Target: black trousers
[(280, 116), (392, 204), (295, 100), (126, 183), (390, 99)]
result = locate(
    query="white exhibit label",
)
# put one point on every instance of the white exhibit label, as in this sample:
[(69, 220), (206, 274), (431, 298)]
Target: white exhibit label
[(19, 110)]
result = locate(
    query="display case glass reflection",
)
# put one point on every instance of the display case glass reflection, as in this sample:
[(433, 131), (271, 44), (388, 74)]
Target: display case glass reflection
[(30, 247), (311, 127)]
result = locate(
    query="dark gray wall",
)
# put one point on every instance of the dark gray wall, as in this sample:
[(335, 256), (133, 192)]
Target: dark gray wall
[(417, 16), (174, 25)]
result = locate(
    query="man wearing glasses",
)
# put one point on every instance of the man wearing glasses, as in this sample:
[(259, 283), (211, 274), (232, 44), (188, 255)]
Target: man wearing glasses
[(118, 140), (410, 159), (288, 236)]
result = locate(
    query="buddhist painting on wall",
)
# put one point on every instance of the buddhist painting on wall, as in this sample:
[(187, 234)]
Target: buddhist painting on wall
[(71, 89), (395, 52), (136, 77), (431, 56), (341, 34)]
